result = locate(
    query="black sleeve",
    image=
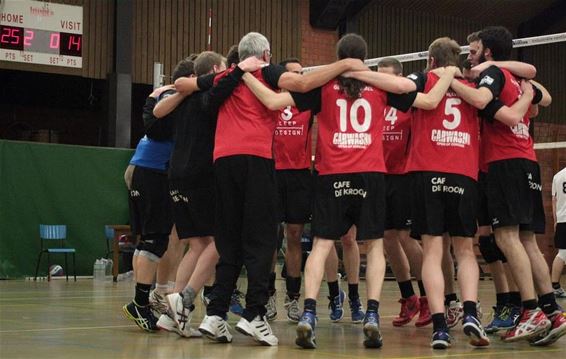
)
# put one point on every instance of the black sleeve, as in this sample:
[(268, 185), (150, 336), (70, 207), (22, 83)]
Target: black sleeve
[(205, 82), (155, 128), (403, 102), (493, 79), (419, 78), (488, 113), (538, 95), (215, 97), (272, 73), (309, 100)]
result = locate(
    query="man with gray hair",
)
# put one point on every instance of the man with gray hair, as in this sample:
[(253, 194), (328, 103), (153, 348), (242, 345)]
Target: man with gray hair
[(246, 211)]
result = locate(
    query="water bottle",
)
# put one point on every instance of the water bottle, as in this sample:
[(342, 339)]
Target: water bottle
[(99, 270)]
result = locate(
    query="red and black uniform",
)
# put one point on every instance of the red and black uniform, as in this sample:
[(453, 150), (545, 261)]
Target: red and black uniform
[(292, 152), (246, 196), (443, 159), (396, 133), (514, 189), (349, 187)]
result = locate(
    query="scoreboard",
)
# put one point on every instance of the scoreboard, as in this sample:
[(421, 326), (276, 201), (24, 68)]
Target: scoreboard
[(40, 32)]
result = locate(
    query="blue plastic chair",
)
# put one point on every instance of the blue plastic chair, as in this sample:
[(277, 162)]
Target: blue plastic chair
[(109, 235), (54, 234)]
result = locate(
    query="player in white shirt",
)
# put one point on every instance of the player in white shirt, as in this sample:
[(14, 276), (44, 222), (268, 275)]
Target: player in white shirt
[(559, 214)]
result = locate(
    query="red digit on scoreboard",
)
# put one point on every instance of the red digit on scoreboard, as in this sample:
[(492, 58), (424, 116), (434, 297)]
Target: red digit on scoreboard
[(76, 42), (6, 32), (15, 36), (28, 37), (54, 40)]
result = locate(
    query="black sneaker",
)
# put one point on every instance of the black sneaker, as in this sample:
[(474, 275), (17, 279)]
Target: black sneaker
[(142, 316)]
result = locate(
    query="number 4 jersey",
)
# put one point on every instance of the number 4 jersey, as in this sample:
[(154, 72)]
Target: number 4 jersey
[(445, 139), (396, 129)]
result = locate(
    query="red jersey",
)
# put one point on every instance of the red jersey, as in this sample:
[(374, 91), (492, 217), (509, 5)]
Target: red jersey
[(396, 129), (245, 126), (501, 141), (292, 142), (445, 139), (349, 130)]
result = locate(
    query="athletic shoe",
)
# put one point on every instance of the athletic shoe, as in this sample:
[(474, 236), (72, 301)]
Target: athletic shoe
[(204, 299), (271, 307), (373, 338), (454, 313), (500, 315), (236, 306), (305, 331), (425, 318), (532, 324), (336, 307), (169, 324), (560, 293), (556, 330), (142, 316), (472, 328), (258, 329), (514, 316), (157, 303), (440, 340), (479, 310), (357, 310), (293, 311), (215, 328), (409, 309), (181, 314)]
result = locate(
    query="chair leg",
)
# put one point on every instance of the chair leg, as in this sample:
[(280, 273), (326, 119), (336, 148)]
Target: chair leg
[(66, 268), (48, 267), (74, 268), (37, 265)]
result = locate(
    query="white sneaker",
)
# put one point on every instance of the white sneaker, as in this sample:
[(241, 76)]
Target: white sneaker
[(559, 293), (204, 299), (181, 314), (293, 311), (167, 323), (454, 313), (215, 328), (259, 329), (271, 308), (157, 303)]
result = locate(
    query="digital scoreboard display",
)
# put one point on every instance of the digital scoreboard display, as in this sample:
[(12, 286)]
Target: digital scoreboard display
[(41, 33)]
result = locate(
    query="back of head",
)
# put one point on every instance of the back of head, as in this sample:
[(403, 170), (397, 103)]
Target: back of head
[(393, 63), (445, 52), (206, 61), (253, 44), (184, 68), (499, 40), (290, 60), (351, 46), (232, 57)]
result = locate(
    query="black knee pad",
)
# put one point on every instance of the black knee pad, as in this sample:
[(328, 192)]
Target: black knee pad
[(489, 249), (154, 243)]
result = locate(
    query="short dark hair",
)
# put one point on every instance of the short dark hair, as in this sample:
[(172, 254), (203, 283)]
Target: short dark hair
[(232, 57), (184, 68), (290, 60), (499, 40), (205, 62), (391, 62), (474, 36)]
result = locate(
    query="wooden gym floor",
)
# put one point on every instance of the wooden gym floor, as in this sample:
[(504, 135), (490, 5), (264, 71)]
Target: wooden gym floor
[(84, 320)]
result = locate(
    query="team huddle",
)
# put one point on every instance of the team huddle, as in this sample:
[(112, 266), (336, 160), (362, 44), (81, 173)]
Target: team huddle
[(414, 167)]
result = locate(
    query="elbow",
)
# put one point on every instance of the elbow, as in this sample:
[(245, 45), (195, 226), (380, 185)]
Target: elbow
[(480, 104), (546, 101), (428, 105), (531, 73)]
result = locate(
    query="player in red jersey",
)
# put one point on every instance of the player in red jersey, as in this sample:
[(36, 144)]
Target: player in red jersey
[(514, 189), (404, 254), (349, 188)]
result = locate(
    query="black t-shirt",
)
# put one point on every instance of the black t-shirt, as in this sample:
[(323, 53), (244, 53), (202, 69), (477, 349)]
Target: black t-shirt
[(191, 161), (159, 129)]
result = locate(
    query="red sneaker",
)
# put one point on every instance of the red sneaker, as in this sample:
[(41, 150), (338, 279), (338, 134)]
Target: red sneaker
[(409, 308), (557, 329), (532, 324), (425, 318)]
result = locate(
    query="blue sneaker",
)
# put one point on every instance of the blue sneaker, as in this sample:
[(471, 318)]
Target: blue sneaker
[(371, 331), (305, 331), (336, 307), (357, 310), (499, 315), (473, 329), (236, 304), (440, 340), (514, 317)]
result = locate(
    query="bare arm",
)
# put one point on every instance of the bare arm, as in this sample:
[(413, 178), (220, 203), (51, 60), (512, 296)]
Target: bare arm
[(167, 105), (271, 99), (386, 82), (511, 116), (479, 98), (431, 99), (517, 68), (303, 83), (546, 98), (186, 85)]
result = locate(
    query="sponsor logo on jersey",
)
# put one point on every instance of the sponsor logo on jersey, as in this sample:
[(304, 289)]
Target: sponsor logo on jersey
[(450, 138), (488, 80), (344, 188), (352, 140)]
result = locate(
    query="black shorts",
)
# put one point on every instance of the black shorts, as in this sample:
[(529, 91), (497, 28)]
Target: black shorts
[(560, 236), (342, 200), (193, 211), (483, 215), (295, 195), (150, 208), (444, 203), (398, 202), (514, 194)]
